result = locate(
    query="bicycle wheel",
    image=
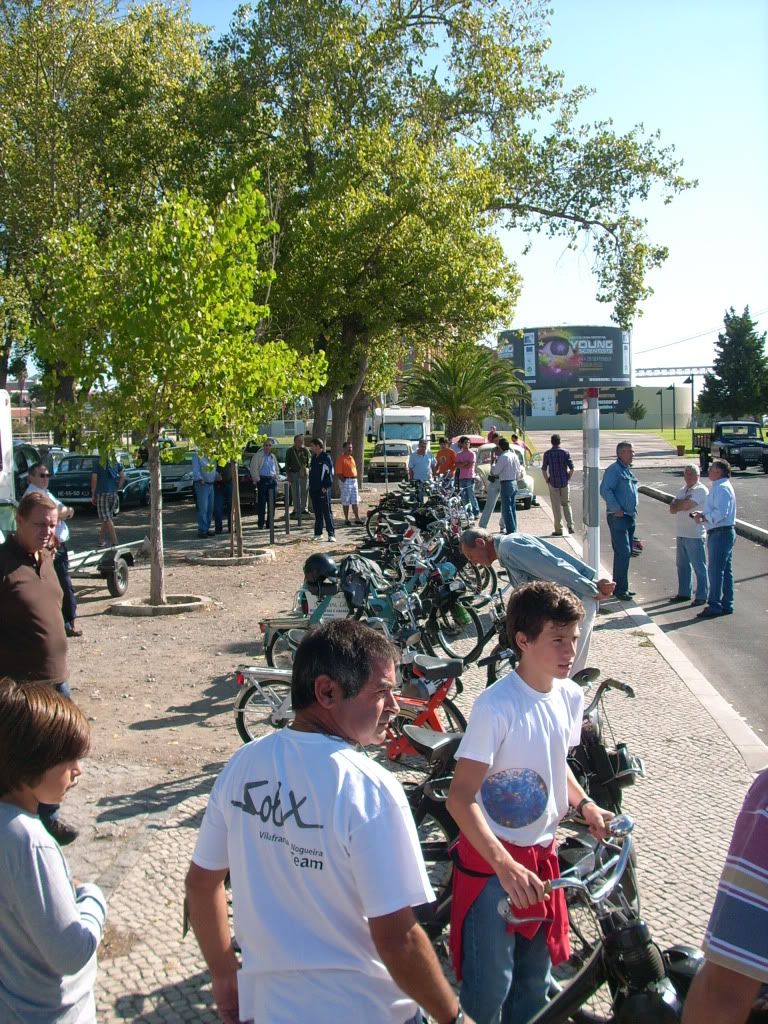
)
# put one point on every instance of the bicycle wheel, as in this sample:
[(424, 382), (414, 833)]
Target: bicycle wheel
[(378, 528), (280, 651), (436, 830), (254, 707), (498, 667), (585, 938), (460, 633)]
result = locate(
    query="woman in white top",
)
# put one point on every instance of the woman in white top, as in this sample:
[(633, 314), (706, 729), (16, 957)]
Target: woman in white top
[(50, 926)]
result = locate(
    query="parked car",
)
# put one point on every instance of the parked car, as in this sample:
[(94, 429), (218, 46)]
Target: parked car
[(390, 460), (24, 456), (176, 479), (72, 483), (525, 488)]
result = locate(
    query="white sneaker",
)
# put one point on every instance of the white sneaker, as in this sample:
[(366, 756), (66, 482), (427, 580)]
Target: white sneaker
[(331, 538), (316, 540)]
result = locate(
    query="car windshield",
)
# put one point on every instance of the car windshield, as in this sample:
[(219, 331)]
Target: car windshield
[(80, 464), (736, 431), (484, 457), (391, 449), (406, 431)]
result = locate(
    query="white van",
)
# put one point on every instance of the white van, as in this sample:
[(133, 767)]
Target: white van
[(402, 423)]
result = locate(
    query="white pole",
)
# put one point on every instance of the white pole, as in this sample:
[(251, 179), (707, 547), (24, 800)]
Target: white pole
[(591, 493)]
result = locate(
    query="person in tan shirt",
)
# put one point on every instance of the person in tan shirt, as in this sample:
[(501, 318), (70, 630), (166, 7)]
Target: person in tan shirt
[(346, 471)]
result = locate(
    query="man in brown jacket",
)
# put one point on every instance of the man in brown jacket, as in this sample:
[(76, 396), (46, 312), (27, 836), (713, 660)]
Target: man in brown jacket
[(33, 642)]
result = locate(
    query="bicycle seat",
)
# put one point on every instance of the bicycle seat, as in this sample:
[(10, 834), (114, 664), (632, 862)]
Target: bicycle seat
[(433, 746), (438, 668)]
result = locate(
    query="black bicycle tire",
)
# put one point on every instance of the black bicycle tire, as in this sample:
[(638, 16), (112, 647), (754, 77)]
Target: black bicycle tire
[(450, 709), (434, 917), (492, 675), (241, 707), (380, 517), (444, 641), (269, 655)]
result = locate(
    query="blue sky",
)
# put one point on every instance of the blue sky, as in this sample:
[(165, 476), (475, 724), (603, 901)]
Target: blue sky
[(698, 71)]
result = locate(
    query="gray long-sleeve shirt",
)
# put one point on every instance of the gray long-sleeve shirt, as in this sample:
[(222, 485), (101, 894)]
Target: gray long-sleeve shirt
[(49, 931), (529, 558)]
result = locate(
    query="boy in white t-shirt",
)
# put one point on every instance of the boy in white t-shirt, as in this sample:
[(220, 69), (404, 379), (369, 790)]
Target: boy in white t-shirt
[(511, 788)]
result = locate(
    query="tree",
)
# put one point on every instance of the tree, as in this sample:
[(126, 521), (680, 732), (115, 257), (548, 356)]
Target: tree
[(396, 140), (738, 386), (465, 384), (637, 412), (96, 114), (170, 313)]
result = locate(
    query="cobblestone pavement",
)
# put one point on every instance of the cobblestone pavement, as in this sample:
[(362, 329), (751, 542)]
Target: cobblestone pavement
[(684, 811)]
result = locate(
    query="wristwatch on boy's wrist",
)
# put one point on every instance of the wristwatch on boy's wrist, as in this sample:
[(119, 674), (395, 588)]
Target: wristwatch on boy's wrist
[(583, 803)]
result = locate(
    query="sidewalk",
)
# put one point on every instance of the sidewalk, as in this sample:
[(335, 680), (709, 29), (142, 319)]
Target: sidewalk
[(684, 812)]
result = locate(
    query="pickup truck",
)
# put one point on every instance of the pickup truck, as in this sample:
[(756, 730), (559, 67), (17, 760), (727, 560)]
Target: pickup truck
[(740, 442)]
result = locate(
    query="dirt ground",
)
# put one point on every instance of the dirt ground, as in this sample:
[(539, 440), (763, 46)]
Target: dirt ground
[(159, 691)]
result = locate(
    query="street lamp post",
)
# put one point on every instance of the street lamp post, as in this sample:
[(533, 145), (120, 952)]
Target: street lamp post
[(674, 412), (690, 380), (660, 393)]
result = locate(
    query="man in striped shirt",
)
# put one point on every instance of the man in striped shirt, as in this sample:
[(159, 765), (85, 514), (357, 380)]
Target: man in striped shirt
[(557, 467), (736, 943)]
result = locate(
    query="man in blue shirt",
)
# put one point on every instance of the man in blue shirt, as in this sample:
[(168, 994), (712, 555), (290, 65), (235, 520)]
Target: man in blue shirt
[(421, 468), (203, 476), (619, 491), (718, 519), (557, 469), (106, 481)]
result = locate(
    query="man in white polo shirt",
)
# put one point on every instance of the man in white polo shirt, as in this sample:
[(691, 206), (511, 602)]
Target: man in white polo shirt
[(691, 548), (323, 856)]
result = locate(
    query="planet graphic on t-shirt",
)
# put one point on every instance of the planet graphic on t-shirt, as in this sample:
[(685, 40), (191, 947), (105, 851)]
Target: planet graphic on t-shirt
[(515, 798)]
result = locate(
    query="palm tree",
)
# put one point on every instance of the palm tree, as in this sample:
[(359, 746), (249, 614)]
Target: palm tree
[(464, 384)]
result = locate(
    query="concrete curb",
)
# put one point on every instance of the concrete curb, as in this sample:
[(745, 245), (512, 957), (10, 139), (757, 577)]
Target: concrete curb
[(754, 533), (749, 745), (178, 604)]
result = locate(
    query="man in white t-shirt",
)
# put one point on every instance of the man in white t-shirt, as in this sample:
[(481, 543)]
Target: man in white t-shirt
[(691, 544), (511, 788), (323, 856)]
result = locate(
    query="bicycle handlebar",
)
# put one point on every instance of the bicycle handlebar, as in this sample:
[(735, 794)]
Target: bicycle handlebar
[(623, 825), (608, 684)]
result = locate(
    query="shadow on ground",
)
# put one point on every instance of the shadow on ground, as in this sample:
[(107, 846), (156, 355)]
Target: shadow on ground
[(160, 798)]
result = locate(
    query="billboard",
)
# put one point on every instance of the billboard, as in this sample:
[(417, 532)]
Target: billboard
[(569, 357), (571, 402)]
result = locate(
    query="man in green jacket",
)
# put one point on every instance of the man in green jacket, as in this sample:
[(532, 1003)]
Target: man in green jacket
[(296, 469)]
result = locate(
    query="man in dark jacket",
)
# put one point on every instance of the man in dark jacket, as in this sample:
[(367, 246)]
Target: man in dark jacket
[(320, 488), (296, 469)]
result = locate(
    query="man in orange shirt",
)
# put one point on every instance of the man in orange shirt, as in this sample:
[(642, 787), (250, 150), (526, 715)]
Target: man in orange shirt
[(346, 471), (445, 458)]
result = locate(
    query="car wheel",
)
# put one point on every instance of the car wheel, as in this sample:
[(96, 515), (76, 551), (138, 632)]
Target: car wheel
[(116, 510)]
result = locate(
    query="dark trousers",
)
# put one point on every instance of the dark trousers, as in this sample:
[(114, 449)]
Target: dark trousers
[(622, 530), (222, 505), (321, 503), (263, 487), (49, 812), (69, 601)]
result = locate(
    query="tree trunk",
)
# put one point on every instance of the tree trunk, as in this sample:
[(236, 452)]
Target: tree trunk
[(157, 560), (454, 427), (342, 407), (236, 533), (357, 416), (321, 403)]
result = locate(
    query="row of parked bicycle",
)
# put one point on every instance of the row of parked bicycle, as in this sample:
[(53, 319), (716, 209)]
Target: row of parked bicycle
[(411, 581)]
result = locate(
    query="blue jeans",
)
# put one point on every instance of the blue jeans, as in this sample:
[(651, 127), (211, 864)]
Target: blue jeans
[(622, 530), (263, 487), (502, 973), (508, 505), (720, 543), (691, 553), (50, 812), (467, 492), (204, 499)]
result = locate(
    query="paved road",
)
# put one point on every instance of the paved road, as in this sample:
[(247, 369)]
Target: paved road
[(729, 651)]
